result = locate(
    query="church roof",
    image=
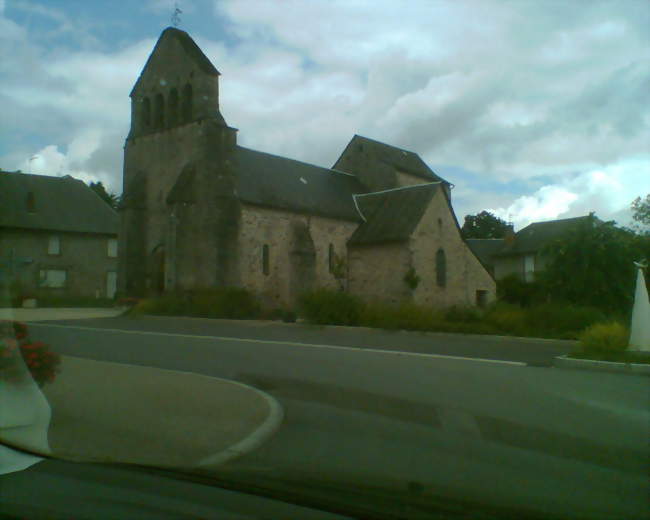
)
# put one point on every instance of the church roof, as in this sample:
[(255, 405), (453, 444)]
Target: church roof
[(269, 180), (398, 158), (59, 204), (190, 47), (392, 215)]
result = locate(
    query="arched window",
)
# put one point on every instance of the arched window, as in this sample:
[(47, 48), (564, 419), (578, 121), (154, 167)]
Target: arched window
[(187, 103), (160, 111), (146, 113), (330, 258), (441, 268), (172, 112), (265, 259)]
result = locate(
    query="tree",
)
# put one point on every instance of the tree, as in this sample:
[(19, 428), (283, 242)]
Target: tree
[(484, 225), (593, 265), (110, 198), (641, 210)]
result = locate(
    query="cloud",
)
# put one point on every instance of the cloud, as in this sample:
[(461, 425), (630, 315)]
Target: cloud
[(532, 97), (607, 191), (90, 156)]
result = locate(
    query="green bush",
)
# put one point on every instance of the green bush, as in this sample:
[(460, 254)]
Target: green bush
[(459, 314), (403, 316), (218, 302), (223, 302), (330, 307), (605, 337), (288, 316), (507, 319), (515, 291), (167, 305), (563, 320)]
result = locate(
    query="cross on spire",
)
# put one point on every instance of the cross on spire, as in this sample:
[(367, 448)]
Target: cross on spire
[(176, 15)]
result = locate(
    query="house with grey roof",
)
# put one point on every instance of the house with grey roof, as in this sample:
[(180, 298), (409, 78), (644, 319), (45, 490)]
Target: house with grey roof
[(200, 210), (522, 253), (57, 238)]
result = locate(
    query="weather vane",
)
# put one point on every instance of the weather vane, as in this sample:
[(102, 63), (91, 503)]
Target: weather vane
[(176, 16)]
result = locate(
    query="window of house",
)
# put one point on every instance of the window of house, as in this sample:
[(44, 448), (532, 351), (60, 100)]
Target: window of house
[(265, 259), (52, 278), (112, 247), (441, 268), (481, 298), (54, 245), (30, 202), (529, 268)]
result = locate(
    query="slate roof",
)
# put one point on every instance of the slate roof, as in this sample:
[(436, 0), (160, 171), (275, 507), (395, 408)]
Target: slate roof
[(485, 248), (536, 235), (398, 158), (190, 47), (279, 182), (60, 203), (392, 215)]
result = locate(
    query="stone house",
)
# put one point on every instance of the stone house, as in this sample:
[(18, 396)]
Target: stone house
[(198, 210), (522, 253), (57, 237)]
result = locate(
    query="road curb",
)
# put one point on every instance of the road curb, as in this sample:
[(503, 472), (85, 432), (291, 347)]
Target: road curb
[(253, 441), (602, 366)]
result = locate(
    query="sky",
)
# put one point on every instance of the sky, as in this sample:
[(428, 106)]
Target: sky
[(533, 109)]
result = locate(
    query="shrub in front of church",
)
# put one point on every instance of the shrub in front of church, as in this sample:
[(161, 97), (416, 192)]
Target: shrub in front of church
[(402, 316), (330, 307), (223, 302), (167, 305), (217, 302)]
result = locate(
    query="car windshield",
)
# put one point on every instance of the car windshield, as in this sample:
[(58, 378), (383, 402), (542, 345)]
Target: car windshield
[(378, 260)]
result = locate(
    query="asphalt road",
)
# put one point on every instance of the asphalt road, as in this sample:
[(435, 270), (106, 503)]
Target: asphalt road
[(374, 408)]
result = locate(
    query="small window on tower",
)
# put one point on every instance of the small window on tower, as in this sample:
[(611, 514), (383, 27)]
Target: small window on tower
[(160, 111), (187, 103), (265, 259), (146, 114), (172, 113)]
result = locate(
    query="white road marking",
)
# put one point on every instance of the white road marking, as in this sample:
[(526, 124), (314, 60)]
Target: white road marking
[(291, 343)]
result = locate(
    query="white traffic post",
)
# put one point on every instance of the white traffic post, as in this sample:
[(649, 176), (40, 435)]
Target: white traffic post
[(640, 328)]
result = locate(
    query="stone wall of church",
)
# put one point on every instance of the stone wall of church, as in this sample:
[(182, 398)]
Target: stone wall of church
[(376, 272), (298, 249), (464, 275)]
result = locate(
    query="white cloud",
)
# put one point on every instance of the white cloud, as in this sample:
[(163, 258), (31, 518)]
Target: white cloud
[(607, 191), (514, 90)]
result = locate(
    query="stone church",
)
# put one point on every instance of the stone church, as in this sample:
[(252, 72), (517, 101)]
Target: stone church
[(199, 210)]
